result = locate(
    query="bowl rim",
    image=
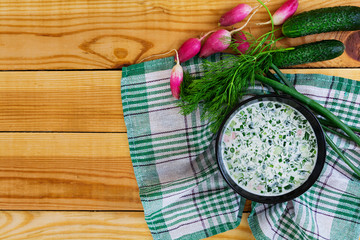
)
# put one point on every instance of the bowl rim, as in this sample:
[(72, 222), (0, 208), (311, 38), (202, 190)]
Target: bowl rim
[(321, 153)]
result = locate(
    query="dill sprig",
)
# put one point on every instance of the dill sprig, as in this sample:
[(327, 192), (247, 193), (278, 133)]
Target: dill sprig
[(224, 82)]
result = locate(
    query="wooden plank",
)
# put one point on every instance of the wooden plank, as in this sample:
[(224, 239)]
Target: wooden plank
[(67, 101), (34, 225), (76, 101), (101, 34), (87, 171), (351, 73)]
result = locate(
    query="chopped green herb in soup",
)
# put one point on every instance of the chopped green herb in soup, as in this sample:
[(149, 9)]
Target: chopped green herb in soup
[(269, 148)]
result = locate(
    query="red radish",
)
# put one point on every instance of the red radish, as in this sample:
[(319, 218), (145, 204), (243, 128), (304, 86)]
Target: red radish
[(235, 15), (217, 42), (243, 44), (284, 12), (176, 78), (190, 48), (238, 13), (221, 39)]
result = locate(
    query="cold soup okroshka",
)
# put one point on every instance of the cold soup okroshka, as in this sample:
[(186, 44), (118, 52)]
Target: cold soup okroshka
[(268, 148)]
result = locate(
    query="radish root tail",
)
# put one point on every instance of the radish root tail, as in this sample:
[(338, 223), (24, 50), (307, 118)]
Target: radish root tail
[(252, 14), (158, 55)]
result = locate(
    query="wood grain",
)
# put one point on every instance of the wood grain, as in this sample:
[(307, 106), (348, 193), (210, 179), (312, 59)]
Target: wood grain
[(81, 171), (76, 101), (351, 73), (109, 34), (35, 225), (66, 101)]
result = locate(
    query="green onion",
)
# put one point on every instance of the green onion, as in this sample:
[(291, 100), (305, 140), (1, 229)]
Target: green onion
[(335, 132), (337, 150), (328, 123), (282, 76)]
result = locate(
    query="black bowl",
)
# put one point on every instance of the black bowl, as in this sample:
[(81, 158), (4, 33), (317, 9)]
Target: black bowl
[(321, 153)]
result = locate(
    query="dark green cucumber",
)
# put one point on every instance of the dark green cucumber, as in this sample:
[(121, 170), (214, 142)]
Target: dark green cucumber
[(341, 18), (310, 52)]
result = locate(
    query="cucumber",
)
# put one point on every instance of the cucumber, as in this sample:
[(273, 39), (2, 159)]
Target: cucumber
[(310, 52), (341, 18)]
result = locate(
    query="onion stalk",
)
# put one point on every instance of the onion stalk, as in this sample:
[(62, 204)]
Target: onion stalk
[(334, 132), (282, 76), (330, 124), (337, 150)]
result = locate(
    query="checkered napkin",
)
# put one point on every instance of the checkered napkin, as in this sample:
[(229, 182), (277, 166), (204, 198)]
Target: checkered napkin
[(182, 191)]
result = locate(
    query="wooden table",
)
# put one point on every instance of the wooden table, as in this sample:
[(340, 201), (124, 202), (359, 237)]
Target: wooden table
[(65, 167)]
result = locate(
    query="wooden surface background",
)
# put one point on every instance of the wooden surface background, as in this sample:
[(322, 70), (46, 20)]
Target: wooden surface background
[(63, 144)]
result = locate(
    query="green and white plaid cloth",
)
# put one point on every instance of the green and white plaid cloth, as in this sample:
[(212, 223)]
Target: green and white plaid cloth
[(182, 191)]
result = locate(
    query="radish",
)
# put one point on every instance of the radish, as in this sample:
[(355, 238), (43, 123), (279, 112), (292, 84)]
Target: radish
[(221, 39), (176, 78), (190, 48), (284, 12), (235, 15), (217, 42), (243, 44)]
